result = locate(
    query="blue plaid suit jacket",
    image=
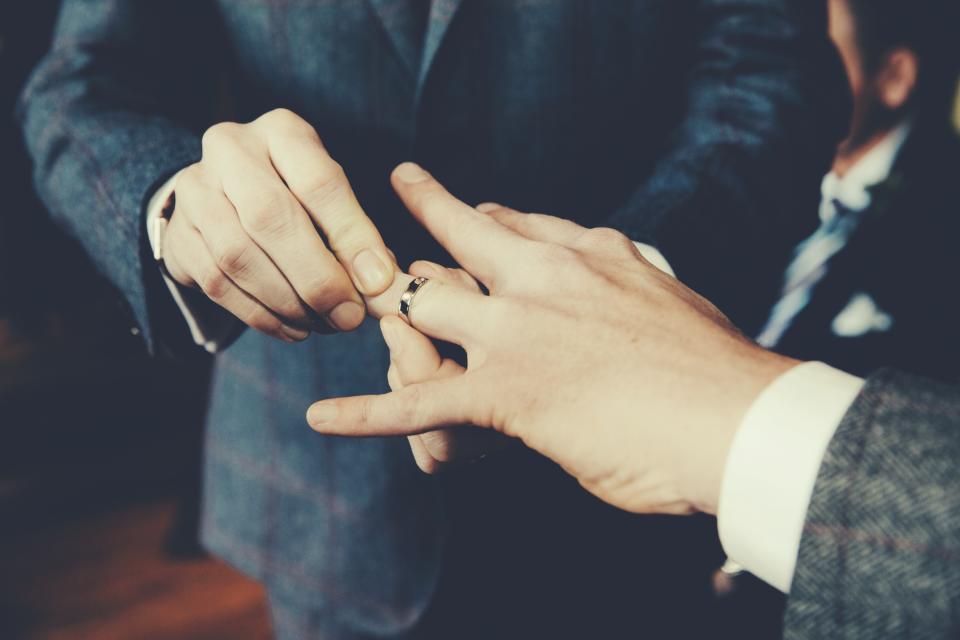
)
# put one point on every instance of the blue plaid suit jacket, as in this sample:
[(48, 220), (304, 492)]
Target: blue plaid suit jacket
[(700, 125)]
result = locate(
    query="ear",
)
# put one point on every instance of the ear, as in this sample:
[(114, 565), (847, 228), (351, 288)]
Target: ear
[(897, 78)]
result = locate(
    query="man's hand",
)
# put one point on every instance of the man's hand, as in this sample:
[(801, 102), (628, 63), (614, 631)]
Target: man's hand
[(413, 359), (249, 226), (583, 350)]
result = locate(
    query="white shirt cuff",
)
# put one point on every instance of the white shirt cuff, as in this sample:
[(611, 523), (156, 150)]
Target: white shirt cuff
[(652, 255), (773, 464), (204, 336)]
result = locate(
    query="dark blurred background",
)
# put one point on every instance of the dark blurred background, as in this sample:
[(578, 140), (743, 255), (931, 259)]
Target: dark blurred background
[(98, 500)]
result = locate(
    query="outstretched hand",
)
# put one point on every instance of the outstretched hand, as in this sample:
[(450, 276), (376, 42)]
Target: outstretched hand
[(582, 349)]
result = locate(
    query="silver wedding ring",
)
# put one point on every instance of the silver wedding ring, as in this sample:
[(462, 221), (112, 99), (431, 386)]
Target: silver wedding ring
[(406, 300)]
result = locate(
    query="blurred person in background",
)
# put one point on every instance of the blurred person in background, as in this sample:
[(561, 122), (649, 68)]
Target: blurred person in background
[(699, 127), (871, 286)]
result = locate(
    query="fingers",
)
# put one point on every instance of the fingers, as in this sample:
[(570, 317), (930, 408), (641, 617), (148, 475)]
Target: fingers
[(412, 410), (274, 219), (413, 358), (536, 226), (424, 461), (544, 228), (458, 445), (483, 247), (237, 160), (413, 355), (189, 262), (450, 313), (321, 186), (422, 456), (388, 302), (456, 277), (241, 259)]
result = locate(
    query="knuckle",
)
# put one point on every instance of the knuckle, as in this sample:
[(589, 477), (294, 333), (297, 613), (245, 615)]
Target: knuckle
[(285, 120), (411, 411), (325, 292), (281, 116), (214, 283), (606, 238), (467, 280), (189, 179), (264, 322), (266, 211), (365, 412), (326, 184), (220, 134), (348, 233), (440, 445), (233, 255), (421, 408), (424, 267), (292, 310)]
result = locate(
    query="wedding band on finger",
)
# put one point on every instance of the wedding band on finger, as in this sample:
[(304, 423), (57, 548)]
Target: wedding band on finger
[(406, 300)]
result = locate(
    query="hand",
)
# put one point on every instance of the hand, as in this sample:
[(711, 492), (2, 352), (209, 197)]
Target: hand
[(583, 350), (413, 359), (247, 227)]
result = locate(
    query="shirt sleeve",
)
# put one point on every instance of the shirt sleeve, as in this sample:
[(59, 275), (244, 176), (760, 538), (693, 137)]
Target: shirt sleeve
[(209, 334), (652, 255), (773, 464)]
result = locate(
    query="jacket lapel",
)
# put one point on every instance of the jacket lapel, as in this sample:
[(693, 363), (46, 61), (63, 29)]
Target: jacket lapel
[(404, 29), (442, 13)]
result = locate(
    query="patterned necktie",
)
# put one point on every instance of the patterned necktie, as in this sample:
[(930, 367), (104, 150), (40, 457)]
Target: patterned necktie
[(810, 264)]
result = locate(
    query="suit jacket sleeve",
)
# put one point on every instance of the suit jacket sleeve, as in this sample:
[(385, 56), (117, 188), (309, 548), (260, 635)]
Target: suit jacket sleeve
[(739, 184), (880, 552), (111, 112)]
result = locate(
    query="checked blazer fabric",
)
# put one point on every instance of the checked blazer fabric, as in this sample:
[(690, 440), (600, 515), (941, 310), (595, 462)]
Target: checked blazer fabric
[(880, 550), (702, 126)]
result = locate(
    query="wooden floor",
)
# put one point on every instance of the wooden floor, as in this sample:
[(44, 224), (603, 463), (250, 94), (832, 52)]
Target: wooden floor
[(95, 474), (106, 577)]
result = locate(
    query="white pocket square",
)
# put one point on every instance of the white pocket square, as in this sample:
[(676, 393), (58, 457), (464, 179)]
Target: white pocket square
[(860, 317)]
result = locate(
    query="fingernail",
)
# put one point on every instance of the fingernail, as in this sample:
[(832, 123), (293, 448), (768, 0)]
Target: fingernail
[(371, 272), (346, 316), (411, 173), (391, 337), (294, 334), (322, 413), (487, 207)]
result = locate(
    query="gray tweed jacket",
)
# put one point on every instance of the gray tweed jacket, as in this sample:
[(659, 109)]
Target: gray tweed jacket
[(880, 552)]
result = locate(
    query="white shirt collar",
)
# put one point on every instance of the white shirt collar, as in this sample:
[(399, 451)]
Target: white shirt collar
[(852, 190)]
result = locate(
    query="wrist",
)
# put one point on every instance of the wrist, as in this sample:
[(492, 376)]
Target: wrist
[(735, 387)]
